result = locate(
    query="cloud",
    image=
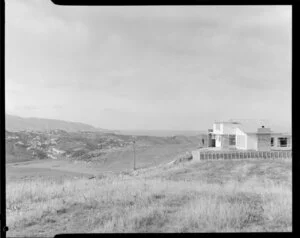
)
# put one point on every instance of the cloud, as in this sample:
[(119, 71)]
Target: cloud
[(166, 63)]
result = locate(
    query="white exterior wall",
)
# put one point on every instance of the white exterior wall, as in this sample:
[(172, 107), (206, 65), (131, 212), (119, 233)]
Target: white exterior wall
[(229, 129), (224, 129), (215, 131), (218, 141), (241, 139), (251, 141)]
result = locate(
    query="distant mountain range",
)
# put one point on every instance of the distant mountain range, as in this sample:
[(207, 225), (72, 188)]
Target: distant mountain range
[(16, 123)]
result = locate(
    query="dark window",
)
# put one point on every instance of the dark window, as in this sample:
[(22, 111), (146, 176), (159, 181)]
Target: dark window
[(231, 139), (282, 141), (272, 141)]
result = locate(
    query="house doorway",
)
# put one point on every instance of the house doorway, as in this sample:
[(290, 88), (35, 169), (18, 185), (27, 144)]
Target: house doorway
[(213, 143)]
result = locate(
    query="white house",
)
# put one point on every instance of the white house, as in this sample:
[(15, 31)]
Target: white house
[(248, 135)]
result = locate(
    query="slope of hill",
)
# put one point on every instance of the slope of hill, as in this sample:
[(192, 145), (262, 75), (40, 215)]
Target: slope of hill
[(208, 196), (16, 123), (94, 147)]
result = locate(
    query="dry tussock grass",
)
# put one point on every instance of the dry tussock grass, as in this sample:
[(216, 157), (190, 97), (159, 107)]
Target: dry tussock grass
[(141, 204)]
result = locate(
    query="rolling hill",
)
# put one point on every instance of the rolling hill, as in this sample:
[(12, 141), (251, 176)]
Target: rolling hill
[(16, 123)]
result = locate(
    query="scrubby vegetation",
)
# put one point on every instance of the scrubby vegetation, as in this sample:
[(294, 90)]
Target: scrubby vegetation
[(207, 196), (84, 146)]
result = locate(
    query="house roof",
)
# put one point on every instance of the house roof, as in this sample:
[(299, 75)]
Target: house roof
[(248, 126), (251, 126)]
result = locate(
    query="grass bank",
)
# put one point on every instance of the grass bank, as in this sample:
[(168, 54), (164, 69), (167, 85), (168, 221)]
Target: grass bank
[(207, 196)]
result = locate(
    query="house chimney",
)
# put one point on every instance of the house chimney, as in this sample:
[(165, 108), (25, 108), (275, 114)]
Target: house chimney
[(264, 139)]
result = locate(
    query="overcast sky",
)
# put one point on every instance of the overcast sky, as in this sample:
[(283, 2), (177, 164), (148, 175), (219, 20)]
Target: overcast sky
[(148, 67)]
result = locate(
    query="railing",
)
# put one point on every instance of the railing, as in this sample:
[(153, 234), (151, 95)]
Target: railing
[(204, 155)]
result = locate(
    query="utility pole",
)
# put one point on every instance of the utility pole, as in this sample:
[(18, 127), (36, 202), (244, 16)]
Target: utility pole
[(133, 144)]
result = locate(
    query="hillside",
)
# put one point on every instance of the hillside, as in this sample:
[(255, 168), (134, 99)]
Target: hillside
[(161, 133), (16, 123), (208, 196), (109, 150)]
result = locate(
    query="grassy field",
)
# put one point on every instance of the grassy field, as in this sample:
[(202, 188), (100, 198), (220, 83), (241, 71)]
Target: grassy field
[(206, 196)]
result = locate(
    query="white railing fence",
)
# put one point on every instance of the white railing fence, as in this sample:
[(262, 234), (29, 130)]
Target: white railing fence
[(203, 155)]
